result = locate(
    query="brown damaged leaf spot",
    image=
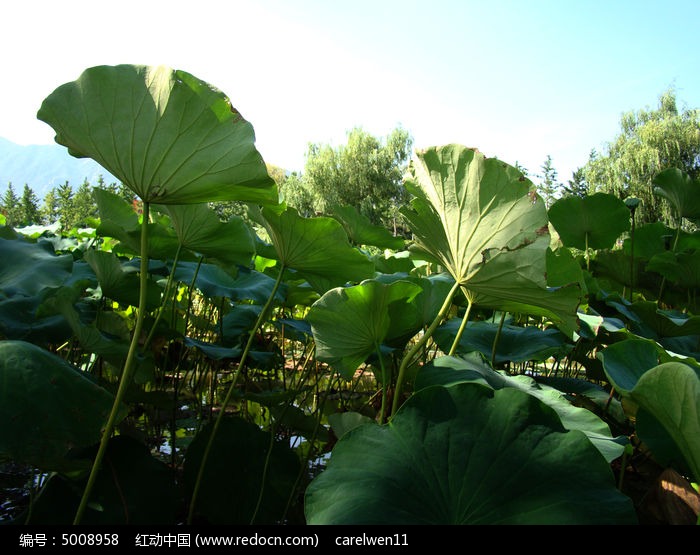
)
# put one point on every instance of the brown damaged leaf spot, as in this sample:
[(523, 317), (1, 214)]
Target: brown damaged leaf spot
[(544, 230)]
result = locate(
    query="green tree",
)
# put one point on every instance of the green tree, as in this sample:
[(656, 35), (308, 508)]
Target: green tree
[(11, 208), (549, 186), (297, 194), (66, 212), (29, 207), (366, 173), (577, 185), (649, 141), (84, 206), (50, 210)]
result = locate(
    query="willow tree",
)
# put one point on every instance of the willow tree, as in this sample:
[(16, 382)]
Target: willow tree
[(649, 142), (366, 173)]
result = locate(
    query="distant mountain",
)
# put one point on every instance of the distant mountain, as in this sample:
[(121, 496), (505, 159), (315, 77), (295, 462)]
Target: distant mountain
[(43, 167)]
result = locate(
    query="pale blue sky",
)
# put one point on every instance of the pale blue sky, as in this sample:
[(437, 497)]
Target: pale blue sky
[(519, 80)]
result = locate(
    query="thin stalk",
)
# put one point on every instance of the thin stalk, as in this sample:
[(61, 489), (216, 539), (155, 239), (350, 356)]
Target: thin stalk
[(385, 388), (127, 373), (304, 467), (166, 293), (462, 326), (229, 394), (496, 339), (419, 345)]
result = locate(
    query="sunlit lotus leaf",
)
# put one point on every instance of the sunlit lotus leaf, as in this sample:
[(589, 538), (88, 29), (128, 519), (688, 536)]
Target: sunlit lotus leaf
[(200, 230), (680, 190), (593, 222), (363, 232), (317, 248), (481, 220), (118, 284), (467, 454), (513, 281), (349, 324), (119, 220), (47, 406), (168, 136)]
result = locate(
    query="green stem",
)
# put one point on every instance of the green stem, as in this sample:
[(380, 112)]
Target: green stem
[(127, 373), (229, 394), (382, 412), (405, 363), (166, 294), (462, 326), (496, 339)]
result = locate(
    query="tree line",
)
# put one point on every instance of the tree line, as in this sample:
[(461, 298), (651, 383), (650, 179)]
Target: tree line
[(61, 204), (367, 173)]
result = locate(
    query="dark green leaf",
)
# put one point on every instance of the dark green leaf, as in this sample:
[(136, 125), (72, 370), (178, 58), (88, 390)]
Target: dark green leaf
[(467, 455)]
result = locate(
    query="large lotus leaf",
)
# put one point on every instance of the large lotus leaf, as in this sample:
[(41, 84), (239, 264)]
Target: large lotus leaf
[(317, 248), (655, 323), (214, 352), (627, 361), (19, 320), (434, 290), (513, 281), (467, 454), (682, 268), (119, 220), (349, 324), (233, 478), (132, 487), (680, 190), (27, 268), (475, 216), (580, 391), (239, 322), (563, 269), (671, 393), (649, 239), (394, 262), (363, 232), (168, 136), (199, 229), (593, 222), (450, 370), (515, 343), (213, 281), (47, 406), (119, 285), (614, 266), (467, 205)]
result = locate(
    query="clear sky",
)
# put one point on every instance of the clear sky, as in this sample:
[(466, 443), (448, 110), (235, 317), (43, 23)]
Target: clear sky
[(518, 79)]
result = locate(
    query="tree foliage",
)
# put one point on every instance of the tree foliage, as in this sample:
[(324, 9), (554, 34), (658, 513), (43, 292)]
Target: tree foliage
[(366, 173), (29, 207), (649, 142), (549, 186), (10, 205)]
